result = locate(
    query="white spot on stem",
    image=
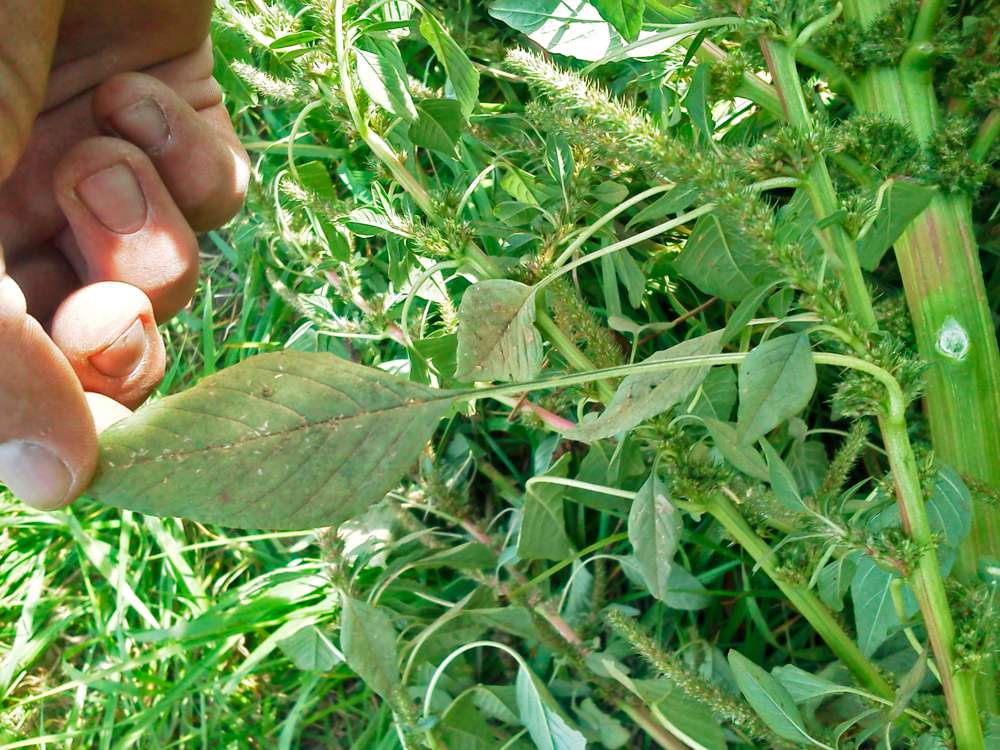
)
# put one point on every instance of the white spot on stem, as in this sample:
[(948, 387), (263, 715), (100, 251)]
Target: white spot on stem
[(952, 340)]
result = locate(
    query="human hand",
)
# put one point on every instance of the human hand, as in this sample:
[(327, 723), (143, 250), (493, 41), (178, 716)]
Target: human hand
[(115, 148)]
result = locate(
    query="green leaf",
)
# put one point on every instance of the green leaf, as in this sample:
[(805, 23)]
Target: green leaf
[(654, 529), (949, 509), (834, 581), (497, 338), (900, 202), (609, 192), (559, 159), (624, 15), (281, 441), (672, 202), (687, 718), (745, 311), (739, 454), (769, 699), (777, 381), (439, 125), (462, 75), (684, 591), (310, 650), (696, 100), (602, 727), (543, 527), (719, 261), (782, 482), (573, 28), (718, 394), (874, 614), (909, 686), (548, 727), (642, 396), (463, 726), (382, 74), (368, 641), (805, 686)]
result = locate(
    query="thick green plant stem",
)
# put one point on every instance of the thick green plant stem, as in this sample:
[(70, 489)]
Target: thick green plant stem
[(806, 602), (938, 260)]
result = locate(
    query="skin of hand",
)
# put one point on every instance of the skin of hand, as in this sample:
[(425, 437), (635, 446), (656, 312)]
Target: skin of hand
[(115, 149)]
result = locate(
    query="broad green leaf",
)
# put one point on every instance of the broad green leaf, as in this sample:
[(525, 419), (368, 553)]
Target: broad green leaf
[(281, 441), (310, 650), (624, 15), (573, 28), (874, 614), (684, 591), (834, 581), (654, 529), (542, 716), (497, 339), (687, 718), (777, 381), (382, 74), (368, 642), (744, 457), (696, 100), (900, 201), (543, 527), (609, 192), (367, 222), (769, 699), (949, 509), (439, 125), (463, 726), (718, 394), (719, 261), (809, 464), (462, 74), (642, 396), (782, 482), (804, 686), (520, 185), (602, 727)]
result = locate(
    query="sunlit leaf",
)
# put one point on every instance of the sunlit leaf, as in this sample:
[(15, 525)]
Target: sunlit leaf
[(777, 381), (497, 339)]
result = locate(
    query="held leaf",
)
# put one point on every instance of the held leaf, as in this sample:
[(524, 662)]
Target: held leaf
[(281, 441)]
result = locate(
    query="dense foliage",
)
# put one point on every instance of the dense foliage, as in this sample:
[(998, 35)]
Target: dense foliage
[(597, 334)]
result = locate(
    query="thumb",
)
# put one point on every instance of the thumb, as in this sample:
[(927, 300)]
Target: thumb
[(26, 49), (48, 442)]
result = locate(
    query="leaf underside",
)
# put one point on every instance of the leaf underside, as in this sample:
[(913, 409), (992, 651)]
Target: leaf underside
[(289, 440)]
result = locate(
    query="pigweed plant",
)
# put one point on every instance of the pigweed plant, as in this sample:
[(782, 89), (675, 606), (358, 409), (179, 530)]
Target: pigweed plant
[(657, 342)]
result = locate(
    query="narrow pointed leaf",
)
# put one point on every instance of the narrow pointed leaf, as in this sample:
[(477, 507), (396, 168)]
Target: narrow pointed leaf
[(901, 201), (497, 339), (642, 396), (719, 260), (281, 441), (383, 76), (743, 457), (462, 75), (769, 699)]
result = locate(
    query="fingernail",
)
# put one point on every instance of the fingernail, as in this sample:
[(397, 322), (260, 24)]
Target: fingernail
[(114, 197), (34, 474), (144, 123), (124, 355)]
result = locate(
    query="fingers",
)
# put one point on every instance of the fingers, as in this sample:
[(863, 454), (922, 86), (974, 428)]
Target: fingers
[(25, 61), (107, 331), (196, 153), (124, 224), (48, 445)]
